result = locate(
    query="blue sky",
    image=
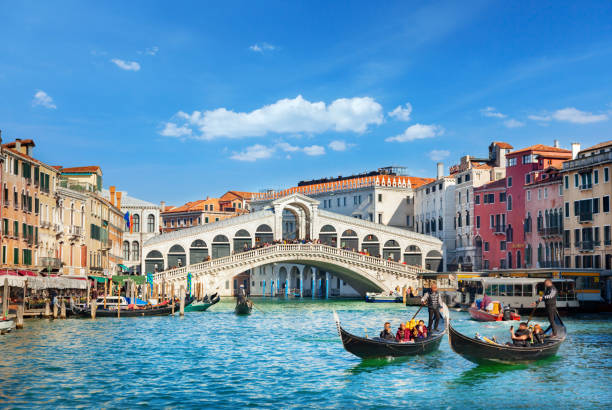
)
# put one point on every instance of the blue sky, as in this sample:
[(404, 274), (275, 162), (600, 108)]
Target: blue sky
[(177, 101)]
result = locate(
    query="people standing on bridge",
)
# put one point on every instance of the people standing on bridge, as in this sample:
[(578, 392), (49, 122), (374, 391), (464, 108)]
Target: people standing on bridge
[(433, 301), (550, 302)]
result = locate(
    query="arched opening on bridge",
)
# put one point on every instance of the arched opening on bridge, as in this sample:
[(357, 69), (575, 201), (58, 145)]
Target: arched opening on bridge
[(198, 251), (263, 234), (413, 256), (370, 245), (392, 250), (349, 240), (220, 247), (290, 224), (154, 262), (328, 236), (176, 257), (296, 221), (294, 279), (242, 241), (433, 261)]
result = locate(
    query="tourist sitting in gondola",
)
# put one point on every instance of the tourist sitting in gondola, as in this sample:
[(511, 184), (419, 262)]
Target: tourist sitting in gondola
[(386, 333), (421, 330), (522, 336), (538, 334), (403, 334)]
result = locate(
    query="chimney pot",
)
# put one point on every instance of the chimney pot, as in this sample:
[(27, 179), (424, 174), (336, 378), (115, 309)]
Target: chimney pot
[(162, 205), (575, 149), (111, 189), (440, 172), (119, 199), (556, 144)]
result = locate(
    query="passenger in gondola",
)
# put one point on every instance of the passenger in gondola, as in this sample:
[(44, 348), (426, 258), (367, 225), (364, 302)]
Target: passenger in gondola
[(421, 330), (433, 301), (538, 335), (521, 336), (386, 333), (403, 334)]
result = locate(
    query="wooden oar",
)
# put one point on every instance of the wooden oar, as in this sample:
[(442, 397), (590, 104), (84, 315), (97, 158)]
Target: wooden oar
[(262, 311), (417, 312), (533, 311)]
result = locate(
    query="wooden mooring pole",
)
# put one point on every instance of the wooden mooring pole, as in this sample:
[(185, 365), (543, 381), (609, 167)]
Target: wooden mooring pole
[(94, 308), (182, 296), (19, 322)]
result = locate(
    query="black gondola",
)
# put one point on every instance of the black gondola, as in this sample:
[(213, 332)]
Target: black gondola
[(161, 310), (479, 351), (367, 348)]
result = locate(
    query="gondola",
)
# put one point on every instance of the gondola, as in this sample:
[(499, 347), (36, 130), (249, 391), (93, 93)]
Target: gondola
[(202, 305), (480, 351), (484, 316), (243, 306), (158, 310), (367, 348)]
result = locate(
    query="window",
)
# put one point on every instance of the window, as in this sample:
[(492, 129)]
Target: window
[(509, 204), (527, 159), (136, 223), (379, 197), (135, 251), (511, 162), (477, 199), (205, 219), (502, 245), (150, 223), (566, 238), (576, 180), (607, 235), (344, 200), (126, 251), (510, 180), (380, 218), (338, 202), (566, 181), (576, 237), (16, 252), (527, 178), (502, 197), (606, 204), (567, 210), (545, 193), (486, 246), (595, 205), (596, 176), (478, 222), (528, 195), (459, 180), (467, 177), (606, 174)]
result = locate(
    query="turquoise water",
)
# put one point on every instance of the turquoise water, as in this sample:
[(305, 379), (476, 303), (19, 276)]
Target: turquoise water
[(286, 355)]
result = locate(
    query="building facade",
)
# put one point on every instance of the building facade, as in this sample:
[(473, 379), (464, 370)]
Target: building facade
[(587, 218)]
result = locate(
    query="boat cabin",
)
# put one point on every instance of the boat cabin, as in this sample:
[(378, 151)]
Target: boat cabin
[(518, 293), (112, 302)]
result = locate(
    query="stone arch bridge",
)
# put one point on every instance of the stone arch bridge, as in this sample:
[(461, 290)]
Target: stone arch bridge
[(369, 255)]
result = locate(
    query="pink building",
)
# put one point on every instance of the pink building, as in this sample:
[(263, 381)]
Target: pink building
[(544, 220), (490, 223)]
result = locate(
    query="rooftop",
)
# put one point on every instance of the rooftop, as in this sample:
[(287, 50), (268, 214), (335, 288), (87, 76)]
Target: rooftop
[(500, 183), (503, 145), (129, 201), (541, 149), (607, 144), (87, 169)]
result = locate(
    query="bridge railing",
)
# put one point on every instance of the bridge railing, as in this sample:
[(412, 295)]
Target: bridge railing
[(305, 249)]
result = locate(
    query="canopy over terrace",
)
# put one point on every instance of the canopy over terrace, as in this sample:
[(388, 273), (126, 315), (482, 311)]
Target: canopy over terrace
[(41, 282)]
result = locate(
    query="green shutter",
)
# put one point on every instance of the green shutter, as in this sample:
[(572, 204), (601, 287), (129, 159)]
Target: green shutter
[(15, 256), (4, 254)]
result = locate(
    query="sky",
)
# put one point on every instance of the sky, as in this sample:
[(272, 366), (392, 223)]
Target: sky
[(177, 101)]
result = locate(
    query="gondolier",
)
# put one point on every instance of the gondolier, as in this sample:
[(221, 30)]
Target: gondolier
[(433, 301), (550, 302)]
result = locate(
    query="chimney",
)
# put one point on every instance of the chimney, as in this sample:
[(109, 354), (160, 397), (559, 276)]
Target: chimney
[(18, 145), (119, 199), (112, 194), (575, 149), (162, 205), (440, 170), (556, 144)]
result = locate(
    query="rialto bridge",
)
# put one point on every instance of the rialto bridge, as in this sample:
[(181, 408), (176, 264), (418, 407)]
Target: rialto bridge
[(366, 255)]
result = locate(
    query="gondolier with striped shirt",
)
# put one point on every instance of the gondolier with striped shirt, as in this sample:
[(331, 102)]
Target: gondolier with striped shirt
[(550, 301), (433, 301)]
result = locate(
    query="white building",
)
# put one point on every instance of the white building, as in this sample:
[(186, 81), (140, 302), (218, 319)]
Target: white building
[(471, 173), (145, 218), (434, 209)]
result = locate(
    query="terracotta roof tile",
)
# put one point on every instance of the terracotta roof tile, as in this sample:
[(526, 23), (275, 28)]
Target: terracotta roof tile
[(91, 168), (540, 148), (500, 183), (598, 146), (503, 145)]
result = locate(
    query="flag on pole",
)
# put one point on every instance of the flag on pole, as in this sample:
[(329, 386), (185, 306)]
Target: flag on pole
[(127, 219), (131, 223)]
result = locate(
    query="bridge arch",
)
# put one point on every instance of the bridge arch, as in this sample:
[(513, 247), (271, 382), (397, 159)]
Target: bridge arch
[(198, 251), (176, 257), (264, 234), (220, 247), (242, 240), (371, 245), (154, 262), (392, 250), (328, 235), (433, 261), (349, 240), (413, 256)]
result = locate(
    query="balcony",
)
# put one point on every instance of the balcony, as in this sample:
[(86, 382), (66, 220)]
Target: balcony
[(584, 187), (587, 161), (107, 245), (608, 242), (52, 263), (499, 229), (75, 230), (584, 218), (587, 246), (551, 231)]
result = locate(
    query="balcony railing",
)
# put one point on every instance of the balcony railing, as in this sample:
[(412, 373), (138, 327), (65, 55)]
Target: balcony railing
[(501, 229), (76, 230), (585, 217), (550, 231), (608, 242), (587, 246), (584, 187), (50, 262), (587, 161)]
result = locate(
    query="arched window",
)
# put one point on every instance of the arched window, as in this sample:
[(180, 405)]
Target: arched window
[(136, 223), (151, 223), (126, 250), (135, 251)]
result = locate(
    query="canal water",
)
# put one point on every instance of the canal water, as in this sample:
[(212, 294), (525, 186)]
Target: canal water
[(286, 354)]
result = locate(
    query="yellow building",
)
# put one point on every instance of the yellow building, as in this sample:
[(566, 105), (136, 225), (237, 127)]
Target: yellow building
[(587, 219)]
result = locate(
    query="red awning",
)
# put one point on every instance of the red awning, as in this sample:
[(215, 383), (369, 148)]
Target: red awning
[(9, 272), (26, 273)]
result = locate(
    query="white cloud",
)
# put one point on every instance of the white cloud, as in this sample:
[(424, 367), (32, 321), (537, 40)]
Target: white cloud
[(338, 145), (314, 150), (401, 113), (438, 154), (260, 48), (417, 132), (126, 65), (288, 116), (151, 51), (44, 99), (172, 130), (512, 123), (287, 147), (253, 153), (576, 116), (492, 112), (540, 117)]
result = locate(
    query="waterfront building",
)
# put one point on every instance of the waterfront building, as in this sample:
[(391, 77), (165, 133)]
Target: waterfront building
[(144, 218), (543, 226), (104, 219), (26, 184), (385, 196), (471, 173), (504, 205), (434, 208), (70, 227), (586, 210), (205, 211)]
